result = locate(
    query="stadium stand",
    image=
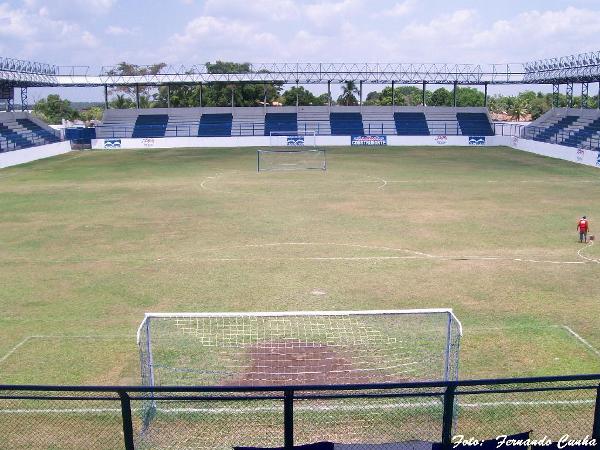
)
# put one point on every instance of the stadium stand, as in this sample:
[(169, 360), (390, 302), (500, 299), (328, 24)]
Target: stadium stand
[(20, 130), (571, 127), (378, 120), (150, 125), (411, 124), (321, 120), (474, 124), (281, 123), (346, 123), (183, 121), (314, 120), (248, 122), (215, 124)]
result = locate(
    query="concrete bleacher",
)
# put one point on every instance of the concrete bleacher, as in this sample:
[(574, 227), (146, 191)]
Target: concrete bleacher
[(411, 124), (321, 120), (346, 123), (279, 123), (474, 124), (567, 126), (378, 120), (150, 125), (21, 130), (215, 124), (247, 121)]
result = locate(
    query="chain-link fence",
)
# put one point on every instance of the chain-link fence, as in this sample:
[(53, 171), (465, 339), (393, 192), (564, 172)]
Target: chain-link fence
[(46, 417)]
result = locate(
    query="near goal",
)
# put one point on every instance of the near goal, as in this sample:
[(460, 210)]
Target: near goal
[(298, 348), (287, 159)]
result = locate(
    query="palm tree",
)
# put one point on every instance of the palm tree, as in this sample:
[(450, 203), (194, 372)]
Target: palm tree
[(348, 91), (518, 109)]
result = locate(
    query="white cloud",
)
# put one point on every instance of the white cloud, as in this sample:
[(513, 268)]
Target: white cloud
[(399, 9), (325, 13), (115, 30), (261, 10), (205, 36)]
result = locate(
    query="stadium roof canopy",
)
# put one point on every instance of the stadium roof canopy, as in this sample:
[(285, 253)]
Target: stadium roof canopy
[(580, 68)]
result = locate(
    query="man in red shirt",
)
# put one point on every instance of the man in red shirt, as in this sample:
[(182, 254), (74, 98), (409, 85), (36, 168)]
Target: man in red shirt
[(583, 226)]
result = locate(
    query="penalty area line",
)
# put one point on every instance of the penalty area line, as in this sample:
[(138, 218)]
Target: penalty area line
[(582, 340)]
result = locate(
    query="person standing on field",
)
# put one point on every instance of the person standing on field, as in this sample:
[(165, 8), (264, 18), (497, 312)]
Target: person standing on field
[(583, 226)]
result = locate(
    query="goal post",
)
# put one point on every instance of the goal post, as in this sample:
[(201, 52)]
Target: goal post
[(270, 160), (299, 348)]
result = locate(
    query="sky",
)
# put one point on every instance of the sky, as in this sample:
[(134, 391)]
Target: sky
[(100, 33)]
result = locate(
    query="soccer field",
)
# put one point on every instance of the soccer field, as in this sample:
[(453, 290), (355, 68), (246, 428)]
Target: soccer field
[(93, 240)]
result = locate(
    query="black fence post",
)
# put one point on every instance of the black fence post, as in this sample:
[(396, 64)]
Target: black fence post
[(288, 419), (448, 419), (596, 428), (127, 424)]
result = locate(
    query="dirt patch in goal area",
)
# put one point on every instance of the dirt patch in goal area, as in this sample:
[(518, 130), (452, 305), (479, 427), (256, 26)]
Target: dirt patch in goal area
[(294, 362)]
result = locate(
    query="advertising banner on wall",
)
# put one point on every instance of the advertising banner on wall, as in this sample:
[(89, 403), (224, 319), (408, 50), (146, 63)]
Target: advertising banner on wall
[(476, 140), (368, 140), (111, 144), (295, 141)]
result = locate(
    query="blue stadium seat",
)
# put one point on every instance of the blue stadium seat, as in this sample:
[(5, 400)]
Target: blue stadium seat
[(474, 124), (347, 123), (281, 123), (575, 139), (411, 124), (14, 138), (215, 125), (549, 132), (46, 135), (150, 125)]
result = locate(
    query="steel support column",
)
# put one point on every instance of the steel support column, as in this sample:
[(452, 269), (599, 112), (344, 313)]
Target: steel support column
[(24, 100), (265, 98), (454, 93), (200, 95), (570, 94), (485, 94), (329, 94), (556, 95), (106, 96), (393, 96), (168, 95), (10, 104), (137, 96), (584, 95), (423, 93), (232, 97), (297, 96), (598, 99), (360, 89)]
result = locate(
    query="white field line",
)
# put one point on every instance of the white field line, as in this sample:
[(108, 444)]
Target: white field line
[(28, 338), (391, 249), (14, 349), (300, 407), (582, 340), (581, 255)]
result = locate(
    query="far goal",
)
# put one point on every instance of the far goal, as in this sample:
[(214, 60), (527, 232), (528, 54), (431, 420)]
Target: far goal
[(287, 159)]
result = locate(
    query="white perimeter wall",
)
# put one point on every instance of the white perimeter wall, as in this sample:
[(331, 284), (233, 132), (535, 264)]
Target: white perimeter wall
[(587, 157), (33, 153)]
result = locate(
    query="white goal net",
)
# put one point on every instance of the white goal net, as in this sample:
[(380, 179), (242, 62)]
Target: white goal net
[(298, 348), (282, 159)]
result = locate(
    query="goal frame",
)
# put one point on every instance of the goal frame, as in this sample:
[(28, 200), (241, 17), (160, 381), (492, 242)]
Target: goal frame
[(289, 151), (450, 354)]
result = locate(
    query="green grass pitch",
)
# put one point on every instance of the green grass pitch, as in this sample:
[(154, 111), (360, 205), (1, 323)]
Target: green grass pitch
[(92, 240)]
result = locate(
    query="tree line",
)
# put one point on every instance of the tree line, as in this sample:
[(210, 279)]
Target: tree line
[(528, 105)]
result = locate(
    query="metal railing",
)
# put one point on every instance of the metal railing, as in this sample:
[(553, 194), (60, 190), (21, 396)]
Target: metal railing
[(570, 138), (258, 129), (74, 417)]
